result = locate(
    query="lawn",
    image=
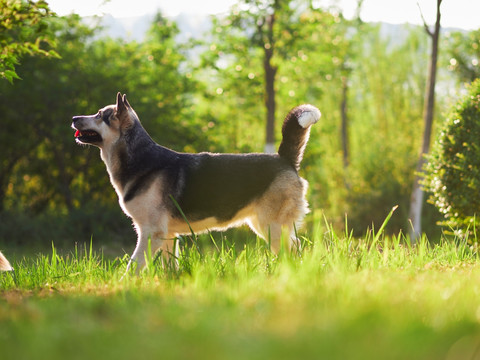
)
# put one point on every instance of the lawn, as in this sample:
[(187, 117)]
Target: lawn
[(342, 298)]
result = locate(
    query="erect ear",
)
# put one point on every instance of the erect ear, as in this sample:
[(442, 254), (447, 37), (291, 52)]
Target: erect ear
[(121, 107), (125, 101), (122, 113)]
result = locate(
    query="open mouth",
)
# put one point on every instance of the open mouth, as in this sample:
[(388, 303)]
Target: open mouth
[(87, 136)]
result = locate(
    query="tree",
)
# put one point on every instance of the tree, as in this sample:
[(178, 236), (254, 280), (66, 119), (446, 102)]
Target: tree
[(263, 19), (345, 74), (269, 49), (37, 110), (47, 170), (416, 201), (254, 30), (24, 31), (452, 174), (385, 106)]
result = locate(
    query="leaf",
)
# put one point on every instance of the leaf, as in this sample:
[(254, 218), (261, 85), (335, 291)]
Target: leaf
[(10, 75)]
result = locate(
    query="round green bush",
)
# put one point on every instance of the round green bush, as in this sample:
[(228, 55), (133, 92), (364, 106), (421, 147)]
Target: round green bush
[(452, 172)]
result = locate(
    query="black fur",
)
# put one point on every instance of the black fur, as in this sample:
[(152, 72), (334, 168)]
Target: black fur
[(204, 184), (142, 160), (294, 138), (106, 116), (207, 185), (220, 185)]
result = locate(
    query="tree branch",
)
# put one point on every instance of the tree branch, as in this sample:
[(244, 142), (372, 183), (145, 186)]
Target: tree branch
[(425, 25)]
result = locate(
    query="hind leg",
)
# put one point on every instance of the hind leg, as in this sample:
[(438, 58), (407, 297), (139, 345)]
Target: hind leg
[(294, 243), (282, 207), (271, 233), (277, 235)]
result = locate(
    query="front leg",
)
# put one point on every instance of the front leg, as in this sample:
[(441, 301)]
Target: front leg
[(142, 251)]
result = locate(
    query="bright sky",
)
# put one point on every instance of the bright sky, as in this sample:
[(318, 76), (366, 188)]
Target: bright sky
[(455, 13)]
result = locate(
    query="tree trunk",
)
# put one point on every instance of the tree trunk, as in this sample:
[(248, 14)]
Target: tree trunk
[(270, 72), (343, 111), (416, 200)]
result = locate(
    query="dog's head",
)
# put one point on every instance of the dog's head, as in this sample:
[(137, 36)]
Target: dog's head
[(106, 126)]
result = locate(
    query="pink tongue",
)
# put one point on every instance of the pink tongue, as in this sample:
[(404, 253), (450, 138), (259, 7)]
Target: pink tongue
[(77, 133)]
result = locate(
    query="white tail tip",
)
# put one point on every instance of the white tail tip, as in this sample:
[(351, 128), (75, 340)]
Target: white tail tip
[(310, 115)]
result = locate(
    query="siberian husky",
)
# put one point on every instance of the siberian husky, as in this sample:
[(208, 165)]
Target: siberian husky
[(160, 188)]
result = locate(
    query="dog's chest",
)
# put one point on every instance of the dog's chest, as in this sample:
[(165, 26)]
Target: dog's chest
[(147, 203)]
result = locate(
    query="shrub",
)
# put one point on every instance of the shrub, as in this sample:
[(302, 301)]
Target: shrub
[(452, 173)]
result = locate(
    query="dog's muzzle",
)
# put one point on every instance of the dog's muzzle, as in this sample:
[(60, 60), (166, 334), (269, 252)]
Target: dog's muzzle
[(84, 136)]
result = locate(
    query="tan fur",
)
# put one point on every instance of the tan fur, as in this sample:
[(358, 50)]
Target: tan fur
[(283, 205), (4, 264)]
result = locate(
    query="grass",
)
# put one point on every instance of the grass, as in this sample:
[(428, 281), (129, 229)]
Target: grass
[(342, 298)]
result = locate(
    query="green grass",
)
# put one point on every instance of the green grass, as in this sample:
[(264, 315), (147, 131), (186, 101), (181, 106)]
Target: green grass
[(342, 298)]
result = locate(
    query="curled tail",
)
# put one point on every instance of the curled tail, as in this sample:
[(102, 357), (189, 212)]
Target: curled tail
[(296, 131), (4, 264)]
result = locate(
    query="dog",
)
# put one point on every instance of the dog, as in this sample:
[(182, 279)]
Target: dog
[(168, 193), (4, 264)]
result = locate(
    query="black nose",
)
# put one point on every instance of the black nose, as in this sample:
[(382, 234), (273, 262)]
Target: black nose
[(75, 118)]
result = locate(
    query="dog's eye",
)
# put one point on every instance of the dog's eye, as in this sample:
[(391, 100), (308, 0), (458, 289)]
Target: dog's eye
[(107, 113), (106, 116), (98, 116)]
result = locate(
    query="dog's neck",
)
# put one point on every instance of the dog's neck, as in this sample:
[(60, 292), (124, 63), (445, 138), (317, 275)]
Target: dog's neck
[(113, 164), (122, 156)]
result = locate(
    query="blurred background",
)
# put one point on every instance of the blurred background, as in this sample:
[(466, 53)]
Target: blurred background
[(211, 78)]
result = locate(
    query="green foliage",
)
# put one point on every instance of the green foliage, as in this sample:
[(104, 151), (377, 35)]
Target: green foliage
[(24, 30), (216, 102), (319, 52), (385, 103), (452, 174), (464, 52), (47, 170), (232, 68)]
